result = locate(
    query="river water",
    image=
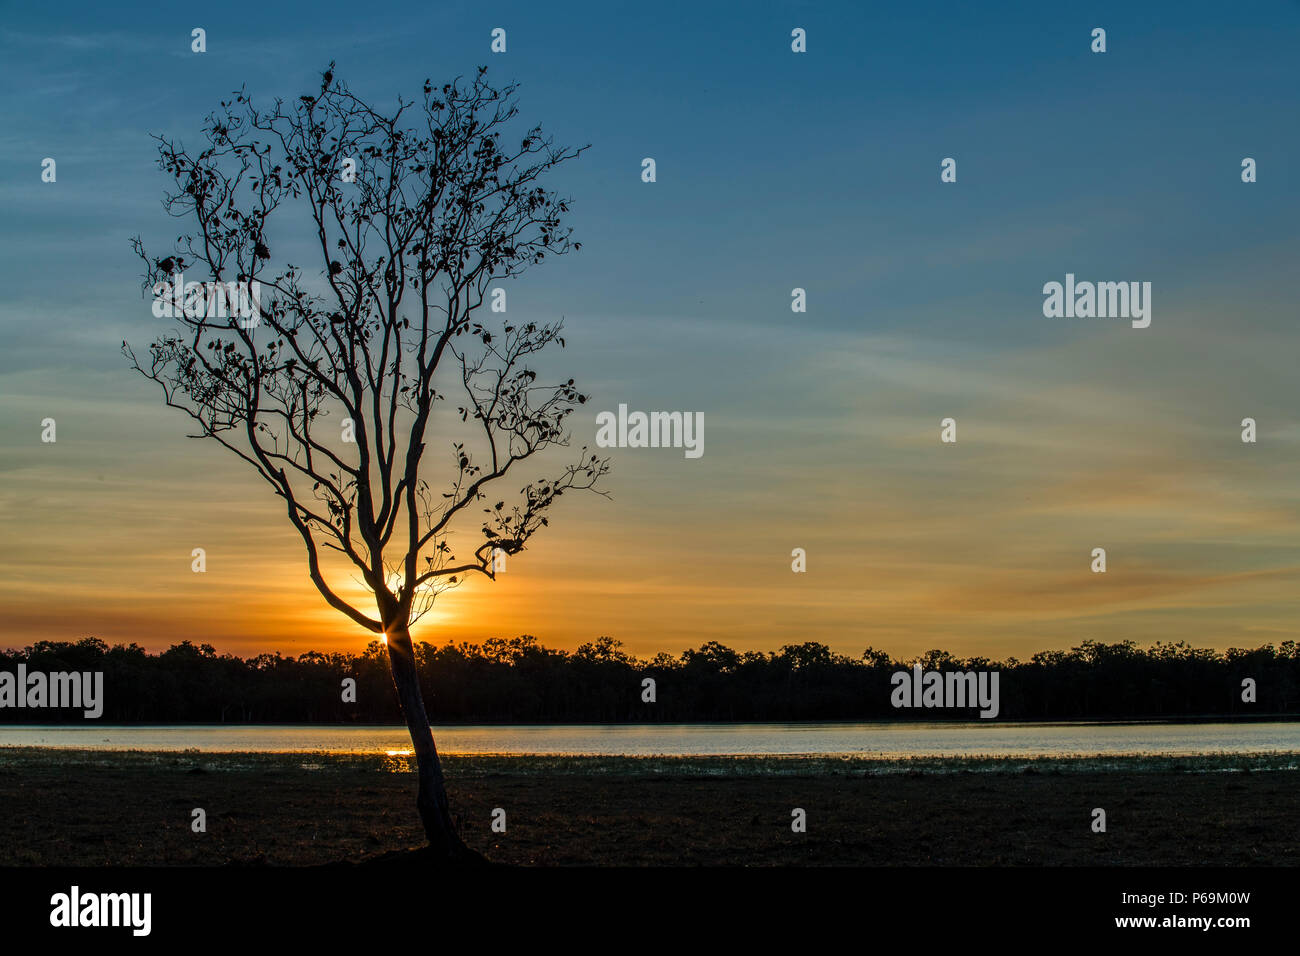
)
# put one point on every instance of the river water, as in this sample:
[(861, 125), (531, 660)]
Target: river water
[(888, 740)]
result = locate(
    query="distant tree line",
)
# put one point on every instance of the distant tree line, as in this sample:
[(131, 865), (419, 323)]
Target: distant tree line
[(520, 681)]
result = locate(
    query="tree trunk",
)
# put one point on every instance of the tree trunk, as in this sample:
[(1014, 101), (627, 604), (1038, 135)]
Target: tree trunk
[(431, 800)]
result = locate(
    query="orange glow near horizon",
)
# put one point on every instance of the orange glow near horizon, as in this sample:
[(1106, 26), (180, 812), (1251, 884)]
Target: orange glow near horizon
[(981, 548)]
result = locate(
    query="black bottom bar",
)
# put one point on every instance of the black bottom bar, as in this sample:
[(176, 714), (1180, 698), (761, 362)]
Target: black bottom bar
[(323, 905)]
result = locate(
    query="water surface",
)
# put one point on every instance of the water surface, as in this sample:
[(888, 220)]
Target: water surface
[(886, 740)]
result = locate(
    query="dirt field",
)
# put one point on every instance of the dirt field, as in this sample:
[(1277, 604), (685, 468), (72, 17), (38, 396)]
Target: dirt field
[(86, 808)]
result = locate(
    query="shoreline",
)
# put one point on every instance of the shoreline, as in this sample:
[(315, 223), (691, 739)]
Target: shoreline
[(133, 808), (29, 757), (936, 720)]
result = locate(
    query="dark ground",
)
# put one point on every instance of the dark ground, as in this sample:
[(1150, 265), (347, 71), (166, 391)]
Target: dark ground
[(96, 808)]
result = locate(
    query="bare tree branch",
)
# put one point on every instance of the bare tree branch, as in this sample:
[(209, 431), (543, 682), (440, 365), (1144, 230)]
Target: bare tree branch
[(333, 392)]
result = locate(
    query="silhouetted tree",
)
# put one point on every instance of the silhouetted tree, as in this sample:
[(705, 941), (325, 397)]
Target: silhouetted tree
[(410, 214)]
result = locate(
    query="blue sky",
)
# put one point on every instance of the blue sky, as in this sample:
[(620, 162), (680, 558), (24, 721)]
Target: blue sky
[(775, 170)]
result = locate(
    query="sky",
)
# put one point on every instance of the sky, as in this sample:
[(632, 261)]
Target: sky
[(775, 170)]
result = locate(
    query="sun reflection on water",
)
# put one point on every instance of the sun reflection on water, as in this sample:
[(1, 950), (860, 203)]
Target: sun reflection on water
[(397, 761)]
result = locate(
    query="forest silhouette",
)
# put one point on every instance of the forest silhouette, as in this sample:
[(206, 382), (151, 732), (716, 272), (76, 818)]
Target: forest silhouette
[(518, 680)]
